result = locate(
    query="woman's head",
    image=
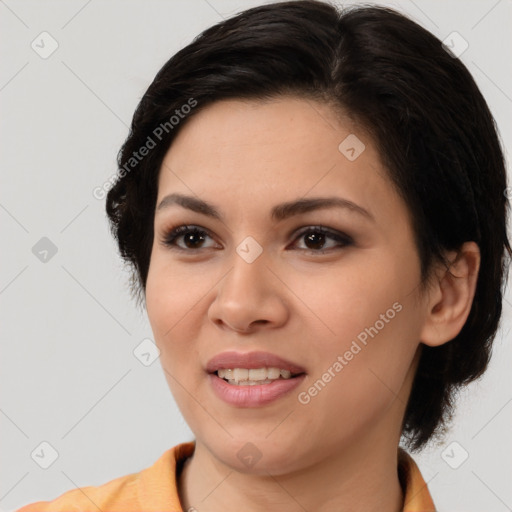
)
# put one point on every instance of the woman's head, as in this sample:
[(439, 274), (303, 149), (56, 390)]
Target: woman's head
[(399, 128)]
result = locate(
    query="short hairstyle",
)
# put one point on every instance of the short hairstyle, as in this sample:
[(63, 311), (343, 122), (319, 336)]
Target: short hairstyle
[(430, 123)]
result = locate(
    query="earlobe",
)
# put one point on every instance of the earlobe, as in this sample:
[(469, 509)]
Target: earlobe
[(451, 296)]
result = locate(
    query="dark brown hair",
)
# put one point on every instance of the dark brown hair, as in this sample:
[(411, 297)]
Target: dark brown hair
[(433, 129)]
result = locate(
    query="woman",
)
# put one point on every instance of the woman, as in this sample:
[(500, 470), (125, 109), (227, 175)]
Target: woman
[(313, 205)]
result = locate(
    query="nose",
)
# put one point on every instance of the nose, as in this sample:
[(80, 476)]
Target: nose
[(249, 296)]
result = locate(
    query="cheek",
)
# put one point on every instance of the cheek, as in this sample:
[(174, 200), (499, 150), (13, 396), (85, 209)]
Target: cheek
[(168, 302), (169, 305), (361, 372), (367, 295), (172, 292), (175, 302), (371, 320)]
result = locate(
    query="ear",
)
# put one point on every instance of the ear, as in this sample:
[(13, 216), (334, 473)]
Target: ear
[(451, 295)]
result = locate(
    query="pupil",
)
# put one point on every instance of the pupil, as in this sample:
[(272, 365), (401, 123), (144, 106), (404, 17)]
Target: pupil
[(311, 238), (316, 239), (189, 239)]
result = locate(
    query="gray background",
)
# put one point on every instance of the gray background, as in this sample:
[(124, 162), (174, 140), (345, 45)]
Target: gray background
[(68, 373)]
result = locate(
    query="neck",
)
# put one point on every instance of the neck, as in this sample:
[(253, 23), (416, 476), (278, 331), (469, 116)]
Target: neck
[(356, 479), (358, 475)]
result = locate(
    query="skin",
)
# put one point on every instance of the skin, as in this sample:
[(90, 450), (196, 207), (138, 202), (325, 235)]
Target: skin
[(339, 451)]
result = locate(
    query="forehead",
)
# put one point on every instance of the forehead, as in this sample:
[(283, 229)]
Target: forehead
[(263, 123), (248, 152), (234, 132)]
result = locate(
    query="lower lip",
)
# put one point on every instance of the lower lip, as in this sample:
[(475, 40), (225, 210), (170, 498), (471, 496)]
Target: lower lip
[(253, 396)]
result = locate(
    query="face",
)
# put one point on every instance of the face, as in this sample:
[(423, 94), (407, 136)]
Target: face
[(332, 289)]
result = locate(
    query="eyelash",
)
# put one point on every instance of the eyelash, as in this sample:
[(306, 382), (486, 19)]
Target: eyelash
[(170, 238)]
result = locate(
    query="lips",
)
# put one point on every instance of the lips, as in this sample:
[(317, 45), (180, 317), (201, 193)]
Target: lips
[(252, 360)]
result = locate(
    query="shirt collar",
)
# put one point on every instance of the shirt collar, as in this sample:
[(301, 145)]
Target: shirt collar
[(417, 497), (166, 469)]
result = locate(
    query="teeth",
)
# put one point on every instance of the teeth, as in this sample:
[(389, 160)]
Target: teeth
[(250, 382), (250, 377), (240, 374), (257, 374), (273, 373)]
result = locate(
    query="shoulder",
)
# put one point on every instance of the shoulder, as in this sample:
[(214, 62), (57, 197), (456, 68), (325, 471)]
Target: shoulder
[(417, 497), (120, 492), (152, 489)]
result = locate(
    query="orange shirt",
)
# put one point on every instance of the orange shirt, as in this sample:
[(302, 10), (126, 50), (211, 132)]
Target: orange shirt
[(154, 489)]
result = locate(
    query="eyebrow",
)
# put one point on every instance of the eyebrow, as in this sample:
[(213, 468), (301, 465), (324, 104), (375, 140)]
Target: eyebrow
[(278, 213)]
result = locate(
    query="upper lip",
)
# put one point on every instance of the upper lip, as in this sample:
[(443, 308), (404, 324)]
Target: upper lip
[(251, 360)]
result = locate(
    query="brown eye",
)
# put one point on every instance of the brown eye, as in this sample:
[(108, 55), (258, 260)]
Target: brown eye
[(193, 238), (315, 239)]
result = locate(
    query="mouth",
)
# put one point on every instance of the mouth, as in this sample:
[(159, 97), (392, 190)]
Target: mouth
[(252, 368), (255, 376), (254, 387)]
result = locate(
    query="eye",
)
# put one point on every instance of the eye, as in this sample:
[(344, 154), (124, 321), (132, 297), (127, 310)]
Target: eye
[(315, 238), (193, 237)]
